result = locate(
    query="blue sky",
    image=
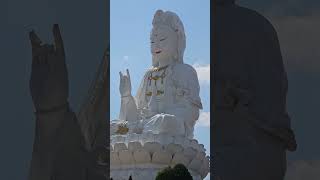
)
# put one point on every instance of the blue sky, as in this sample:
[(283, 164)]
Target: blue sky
[(130, 26)]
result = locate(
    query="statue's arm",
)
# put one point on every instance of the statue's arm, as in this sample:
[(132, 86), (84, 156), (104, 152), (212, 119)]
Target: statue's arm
[(59, 150), (71, 159), (128, 109), (187, 84), (49, 92), (187, 94), (269, 87), (57, 141), (47, 141)]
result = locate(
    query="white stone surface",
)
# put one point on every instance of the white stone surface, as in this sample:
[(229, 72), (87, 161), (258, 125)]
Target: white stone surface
[(167, 101), (129, 154)]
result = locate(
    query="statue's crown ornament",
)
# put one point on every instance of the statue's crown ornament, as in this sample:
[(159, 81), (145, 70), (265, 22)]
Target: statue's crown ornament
[(168, 18)]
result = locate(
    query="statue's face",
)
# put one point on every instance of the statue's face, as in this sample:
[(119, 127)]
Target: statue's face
[(164, 43)]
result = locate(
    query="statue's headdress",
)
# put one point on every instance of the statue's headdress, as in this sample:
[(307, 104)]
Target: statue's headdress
[(173, 21)]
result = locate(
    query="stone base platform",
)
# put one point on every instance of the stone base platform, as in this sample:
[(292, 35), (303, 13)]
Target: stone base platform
[(143, 155)]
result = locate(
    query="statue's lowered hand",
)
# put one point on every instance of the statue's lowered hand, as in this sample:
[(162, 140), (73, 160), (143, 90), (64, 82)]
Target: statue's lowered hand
[(125, 84), (49, 77)]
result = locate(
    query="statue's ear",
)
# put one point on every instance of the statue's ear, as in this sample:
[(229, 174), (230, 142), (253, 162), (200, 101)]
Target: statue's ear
[(181, 44)]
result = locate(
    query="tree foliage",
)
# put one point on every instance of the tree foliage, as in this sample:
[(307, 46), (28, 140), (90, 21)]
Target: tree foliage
[(178, 172)]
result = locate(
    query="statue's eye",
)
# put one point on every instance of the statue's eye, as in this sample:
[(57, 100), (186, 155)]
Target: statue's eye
[(152, 42), (162, 39)]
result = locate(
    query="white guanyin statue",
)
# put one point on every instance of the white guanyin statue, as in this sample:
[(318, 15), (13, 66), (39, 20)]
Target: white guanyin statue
[(167, 101), (155, 128)]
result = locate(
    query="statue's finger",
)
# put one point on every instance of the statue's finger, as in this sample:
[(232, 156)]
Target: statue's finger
[(43, 54), (50, 55), (42, 60), (128, 75), (35, 40), (47, 48), (120, 73), (58, 39), (125, 79), (37, 55), (51, 49)]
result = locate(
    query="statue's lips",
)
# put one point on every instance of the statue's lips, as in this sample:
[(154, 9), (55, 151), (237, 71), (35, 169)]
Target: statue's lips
[(158, 52)]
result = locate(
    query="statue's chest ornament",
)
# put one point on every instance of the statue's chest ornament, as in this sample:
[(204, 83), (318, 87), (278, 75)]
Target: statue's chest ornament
[(156, 79)]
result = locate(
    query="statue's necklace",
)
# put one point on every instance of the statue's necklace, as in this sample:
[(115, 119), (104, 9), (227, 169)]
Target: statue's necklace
[(156, 78), (159, 68)]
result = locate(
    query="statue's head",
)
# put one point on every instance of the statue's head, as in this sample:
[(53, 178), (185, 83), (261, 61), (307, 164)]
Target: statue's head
[(167, 37)]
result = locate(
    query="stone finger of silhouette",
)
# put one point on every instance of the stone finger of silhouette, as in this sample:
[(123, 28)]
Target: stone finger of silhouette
[(58, 41), (34, 39)]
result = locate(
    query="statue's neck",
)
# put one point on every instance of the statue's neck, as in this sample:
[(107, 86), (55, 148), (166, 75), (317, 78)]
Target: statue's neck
[(165, 62)]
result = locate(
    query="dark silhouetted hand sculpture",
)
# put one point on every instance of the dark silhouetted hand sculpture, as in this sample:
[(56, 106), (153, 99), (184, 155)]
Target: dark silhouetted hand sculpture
[(66, 148), (49, 77)]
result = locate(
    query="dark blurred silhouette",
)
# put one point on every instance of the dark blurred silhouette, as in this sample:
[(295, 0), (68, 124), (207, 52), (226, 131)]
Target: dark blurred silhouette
[(251, 126), (66, 146)]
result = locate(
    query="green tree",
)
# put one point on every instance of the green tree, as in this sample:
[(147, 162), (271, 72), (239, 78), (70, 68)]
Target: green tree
[(178, 172)]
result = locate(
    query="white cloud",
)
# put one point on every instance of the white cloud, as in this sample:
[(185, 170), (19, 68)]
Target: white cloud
[(203, 72), (301, 170), (204, 120)]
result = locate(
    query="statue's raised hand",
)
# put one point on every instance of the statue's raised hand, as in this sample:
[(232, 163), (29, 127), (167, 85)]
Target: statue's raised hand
[(49, 77), (125, 84)]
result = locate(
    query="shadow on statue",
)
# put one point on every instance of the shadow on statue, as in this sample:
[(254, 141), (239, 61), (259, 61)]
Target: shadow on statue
[(251, 127)]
